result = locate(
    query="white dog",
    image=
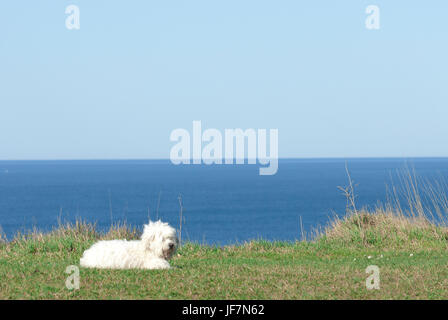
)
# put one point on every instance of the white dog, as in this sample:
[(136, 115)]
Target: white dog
[(157, 245)]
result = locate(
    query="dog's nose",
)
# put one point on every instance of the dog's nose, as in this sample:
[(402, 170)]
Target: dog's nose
[(171, 245)]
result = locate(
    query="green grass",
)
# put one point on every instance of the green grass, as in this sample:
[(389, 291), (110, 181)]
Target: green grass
[(332, 267)]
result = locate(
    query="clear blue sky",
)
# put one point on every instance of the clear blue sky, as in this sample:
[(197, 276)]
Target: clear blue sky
[(136, 70)]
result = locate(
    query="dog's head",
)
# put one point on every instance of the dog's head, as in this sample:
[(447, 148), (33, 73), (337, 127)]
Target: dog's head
[(160, 239)]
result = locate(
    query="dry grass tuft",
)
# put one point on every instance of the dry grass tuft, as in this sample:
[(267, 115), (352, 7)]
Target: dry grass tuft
[(2, 236), (414, 215), (79, 231), (121, 231), (385, 228)]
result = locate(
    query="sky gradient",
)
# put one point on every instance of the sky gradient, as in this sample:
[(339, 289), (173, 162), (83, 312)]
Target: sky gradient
[(136, 70)]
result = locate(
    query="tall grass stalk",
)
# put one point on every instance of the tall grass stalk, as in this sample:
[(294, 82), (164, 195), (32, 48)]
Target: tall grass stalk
[(415, 211)]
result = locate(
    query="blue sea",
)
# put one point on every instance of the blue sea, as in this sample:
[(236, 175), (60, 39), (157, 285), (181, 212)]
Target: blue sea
[(222, 204)]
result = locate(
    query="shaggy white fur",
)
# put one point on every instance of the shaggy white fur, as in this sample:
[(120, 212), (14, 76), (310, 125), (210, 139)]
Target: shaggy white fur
[(157, 245)]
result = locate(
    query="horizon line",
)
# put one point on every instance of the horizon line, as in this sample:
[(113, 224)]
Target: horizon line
[(280, 158)]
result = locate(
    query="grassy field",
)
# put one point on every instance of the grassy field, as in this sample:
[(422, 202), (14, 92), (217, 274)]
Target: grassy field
[(406, 245), (411, 256)]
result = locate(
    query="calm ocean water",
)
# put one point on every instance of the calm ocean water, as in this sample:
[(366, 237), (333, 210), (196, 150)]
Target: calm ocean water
[(222, 204)]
